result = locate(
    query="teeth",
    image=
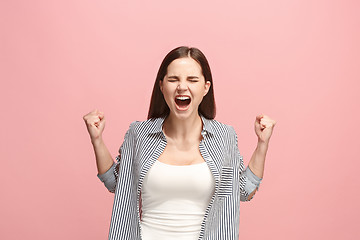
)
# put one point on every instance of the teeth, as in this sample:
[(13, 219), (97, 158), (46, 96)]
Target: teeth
[(183, 98)]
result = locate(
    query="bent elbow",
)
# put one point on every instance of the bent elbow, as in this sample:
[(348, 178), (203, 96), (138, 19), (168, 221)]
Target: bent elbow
[(109, 179)]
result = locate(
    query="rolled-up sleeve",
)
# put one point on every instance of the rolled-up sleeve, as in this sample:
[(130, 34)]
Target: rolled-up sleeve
[(252, 181), (248, 182), (109, 178)]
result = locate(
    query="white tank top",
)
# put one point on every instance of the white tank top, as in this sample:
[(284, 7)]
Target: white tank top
[(174, 200)]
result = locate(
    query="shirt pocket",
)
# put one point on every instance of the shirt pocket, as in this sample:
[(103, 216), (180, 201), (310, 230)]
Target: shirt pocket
[(226, 181)]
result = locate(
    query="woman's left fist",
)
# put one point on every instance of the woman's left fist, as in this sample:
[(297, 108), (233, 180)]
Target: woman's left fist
[(264, 127)]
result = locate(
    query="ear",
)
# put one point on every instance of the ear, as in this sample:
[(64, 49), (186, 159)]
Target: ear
[(207, 87)]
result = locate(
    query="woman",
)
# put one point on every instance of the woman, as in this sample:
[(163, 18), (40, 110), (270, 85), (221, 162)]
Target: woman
[(179, 174)]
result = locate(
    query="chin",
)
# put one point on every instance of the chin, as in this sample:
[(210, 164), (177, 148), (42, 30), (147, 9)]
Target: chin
[(183, 114)]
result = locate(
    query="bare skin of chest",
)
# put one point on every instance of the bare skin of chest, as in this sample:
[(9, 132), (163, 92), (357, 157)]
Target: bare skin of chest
[(185, 153)]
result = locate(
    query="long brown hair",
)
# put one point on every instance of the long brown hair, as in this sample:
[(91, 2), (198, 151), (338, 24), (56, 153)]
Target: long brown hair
[(158, 106)]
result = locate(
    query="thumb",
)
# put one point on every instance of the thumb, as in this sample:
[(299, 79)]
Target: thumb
[(259, 117), (102, 121)]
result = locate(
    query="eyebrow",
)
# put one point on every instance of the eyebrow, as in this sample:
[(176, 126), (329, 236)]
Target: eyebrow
[(178, 77)]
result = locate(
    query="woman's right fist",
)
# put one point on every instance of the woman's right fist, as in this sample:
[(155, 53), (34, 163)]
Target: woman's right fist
[(95, 123)]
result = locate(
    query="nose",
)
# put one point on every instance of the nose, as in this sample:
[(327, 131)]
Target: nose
[(182, 86)]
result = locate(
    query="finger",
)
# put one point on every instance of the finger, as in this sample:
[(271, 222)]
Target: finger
[(263, 123), (97, 112), (259, 117), (267, 125), (268, 118), (264, 120), (94, 121)]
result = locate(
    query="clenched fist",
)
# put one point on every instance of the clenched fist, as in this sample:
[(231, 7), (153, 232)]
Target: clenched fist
[(95, 123), (264, 126)]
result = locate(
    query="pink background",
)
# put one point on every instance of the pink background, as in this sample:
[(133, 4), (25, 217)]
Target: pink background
[(296, 61)]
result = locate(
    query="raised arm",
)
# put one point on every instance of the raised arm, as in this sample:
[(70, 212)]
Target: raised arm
[(95, 123), (263, 129)]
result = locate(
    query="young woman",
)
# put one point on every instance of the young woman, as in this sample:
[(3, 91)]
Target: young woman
[(179, 174)]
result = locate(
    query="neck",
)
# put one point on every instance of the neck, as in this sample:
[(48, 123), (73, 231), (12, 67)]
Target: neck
[(182, 129)]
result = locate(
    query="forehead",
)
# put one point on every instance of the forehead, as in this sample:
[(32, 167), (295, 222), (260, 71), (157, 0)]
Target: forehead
[(184, 66)]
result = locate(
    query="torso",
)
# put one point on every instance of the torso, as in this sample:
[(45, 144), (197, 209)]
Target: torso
[(182, 153)]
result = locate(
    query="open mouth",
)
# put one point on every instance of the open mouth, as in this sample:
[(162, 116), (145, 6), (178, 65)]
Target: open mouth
[(182, 101)]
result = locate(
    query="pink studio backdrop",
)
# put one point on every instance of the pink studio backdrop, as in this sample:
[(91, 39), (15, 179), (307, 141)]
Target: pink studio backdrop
[(296, 61)]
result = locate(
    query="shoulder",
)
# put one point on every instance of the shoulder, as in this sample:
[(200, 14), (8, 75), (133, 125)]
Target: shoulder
[(219, 128), (149, 125)]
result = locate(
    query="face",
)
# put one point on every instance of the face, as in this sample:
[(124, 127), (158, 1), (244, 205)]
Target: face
[(184, 86)]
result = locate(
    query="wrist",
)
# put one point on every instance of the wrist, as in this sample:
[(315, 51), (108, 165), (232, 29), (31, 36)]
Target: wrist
[(96, 141), (263, 140), (262, 147)]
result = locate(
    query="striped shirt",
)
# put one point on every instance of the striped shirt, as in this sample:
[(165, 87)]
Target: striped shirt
[(143, 143)]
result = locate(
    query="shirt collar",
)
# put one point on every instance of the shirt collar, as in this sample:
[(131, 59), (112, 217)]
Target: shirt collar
[(207, 125)]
